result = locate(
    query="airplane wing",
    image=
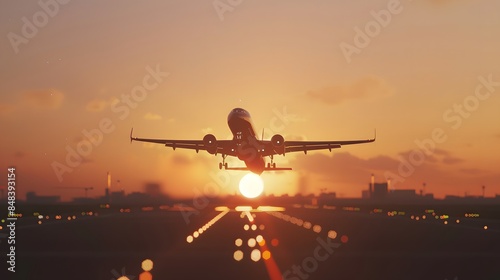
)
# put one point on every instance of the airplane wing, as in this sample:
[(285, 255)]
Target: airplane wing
[(304, 146), (222, 147)]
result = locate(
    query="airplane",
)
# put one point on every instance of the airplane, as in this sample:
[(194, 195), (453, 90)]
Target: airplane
[(247, 147)]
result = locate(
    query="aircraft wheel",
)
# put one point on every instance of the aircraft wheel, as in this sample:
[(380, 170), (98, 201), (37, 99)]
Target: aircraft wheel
[(268, 165), (220, 165), (274, 165), (225, 165)]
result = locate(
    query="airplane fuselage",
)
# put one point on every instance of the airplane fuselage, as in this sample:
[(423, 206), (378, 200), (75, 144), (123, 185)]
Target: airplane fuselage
[(247, 145)]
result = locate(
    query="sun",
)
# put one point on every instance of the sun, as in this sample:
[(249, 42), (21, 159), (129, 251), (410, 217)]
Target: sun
[(251, 185)]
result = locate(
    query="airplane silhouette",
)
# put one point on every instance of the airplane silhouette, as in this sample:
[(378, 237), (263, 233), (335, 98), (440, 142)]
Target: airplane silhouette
[(247, 147)]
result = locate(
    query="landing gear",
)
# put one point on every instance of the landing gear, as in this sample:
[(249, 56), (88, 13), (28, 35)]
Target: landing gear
[(223, 163), (272, 164)]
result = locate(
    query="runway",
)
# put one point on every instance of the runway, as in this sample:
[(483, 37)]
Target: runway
[(294, 242)]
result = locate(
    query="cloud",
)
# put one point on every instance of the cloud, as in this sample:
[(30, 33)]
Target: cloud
[(99, 104), (365, 88), (96, 105), (152, 117), (439, 155), (44, 99), (452, 160)]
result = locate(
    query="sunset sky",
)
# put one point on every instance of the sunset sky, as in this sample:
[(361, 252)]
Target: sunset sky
[(336, 70)]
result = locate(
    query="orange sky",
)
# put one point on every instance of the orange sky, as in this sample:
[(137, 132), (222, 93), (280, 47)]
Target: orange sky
[(70, 67)]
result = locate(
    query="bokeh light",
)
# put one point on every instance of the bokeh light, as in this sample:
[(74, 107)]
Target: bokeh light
[(147, 265)]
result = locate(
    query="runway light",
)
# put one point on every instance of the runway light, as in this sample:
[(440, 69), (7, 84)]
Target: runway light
[(262, 242), (255, 255), (246, 227), (259, 238), (458, 221), (254, 227), (485, 227), (275, 242), (147, 265), (332, 234), (196, 234), (243, 208), (249, 216), (189, 239), (238, 242), (262, 227), (238, 255), (344, 239), (317, 228), (445, 222), (266, 255), (307, 225), (270, 208), (221, 208), (39, 222), (251, 242)]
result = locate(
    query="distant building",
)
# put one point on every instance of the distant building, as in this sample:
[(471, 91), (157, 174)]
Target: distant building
[(83, 200), (429, 196), (117, 196), (403, 194), (380, 190), (327, 198), (153, 189), (365, 194), (32, 197)]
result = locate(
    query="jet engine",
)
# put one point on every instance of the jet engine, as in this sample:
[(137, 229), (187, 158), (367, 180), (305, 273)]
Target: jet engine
[(210, 143), (278, 143)]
